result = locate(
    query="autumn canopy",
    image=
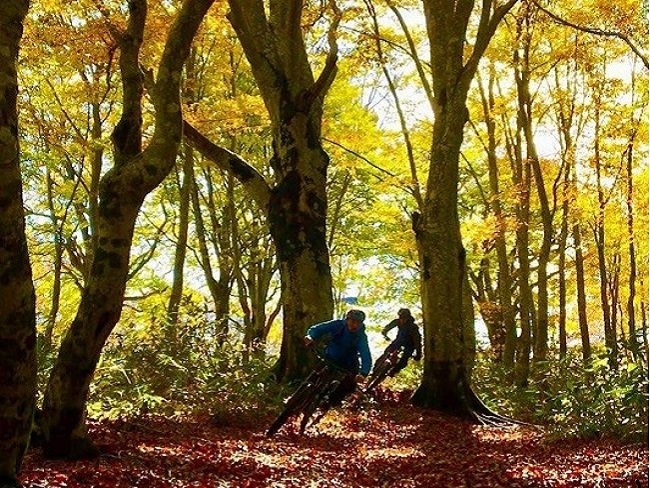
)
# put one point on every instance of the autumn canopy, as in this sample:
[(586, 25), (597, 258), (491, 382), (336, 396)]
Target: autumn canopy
[(186, 186)]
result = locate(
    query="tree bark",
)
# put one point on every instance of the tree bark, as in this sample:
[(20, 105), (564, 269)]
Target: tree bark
[(631, 318), (599, 237), (17, 305), (445, 382), (504, 278), (136, 172), (576, 233), (181, 239)]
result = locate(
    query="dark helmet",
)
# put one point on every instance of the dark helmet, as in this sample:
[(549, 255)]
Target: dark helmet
[(358, 315), (404, 312)]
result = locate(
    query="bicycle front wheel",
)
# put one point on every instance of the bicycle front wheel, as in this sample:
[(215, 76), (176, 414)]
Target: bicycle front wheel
[(294, 406)]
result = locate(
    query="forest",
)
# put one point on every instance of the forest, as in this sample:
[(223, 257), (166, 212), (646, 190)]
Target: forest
[(188, 188)]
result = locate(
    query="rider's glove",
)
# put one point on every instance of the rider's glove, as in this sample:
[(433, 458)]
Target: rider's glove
[(360, 378), (308, 340)]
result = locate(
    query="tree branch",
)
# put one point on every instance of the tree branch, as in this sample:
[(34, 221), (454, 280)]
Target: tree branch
[(414, 54), (230, 162), (327, 75), (487, 27), (363, 158), (595, 31)]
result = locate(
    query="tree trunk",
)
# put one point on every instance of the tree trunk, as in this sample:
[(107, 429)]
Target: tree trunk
[(296, 206), (184, 190), (567, 120), (17, 306), (445, 382), (580, 288), (631, 320), (57, 266), (522, 74), (181, 240), (504, 278), (490, 310), (644, 322), (219, 288), (564, 232), (526, 305), (122, 191), (521, 180), (599, 237), (613, 290), (297, 223)]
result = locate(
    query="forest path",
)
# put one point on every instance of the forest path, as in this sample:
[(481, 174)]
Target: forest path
[(390, 444)]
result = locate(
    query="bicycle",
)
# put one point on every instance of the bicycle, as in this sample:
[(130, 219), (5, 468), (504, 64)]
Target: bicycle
[(314, 393), (383, 369)]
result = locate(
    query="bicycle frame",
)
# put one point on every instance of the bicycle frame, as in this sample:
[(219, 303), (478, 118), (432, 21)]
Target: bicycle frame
[(312, 394), (383, 369)]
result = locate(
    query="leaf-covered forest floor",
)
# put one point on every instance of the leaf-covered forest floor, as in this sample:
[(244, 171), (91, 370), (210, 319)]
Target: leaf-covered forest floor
[(389, 443)]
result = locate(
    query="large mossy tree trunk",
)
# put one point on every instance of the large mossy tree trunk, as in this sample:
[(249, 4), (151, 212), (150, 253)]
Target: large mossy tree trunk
[(445, 382), (297, 223), (136, 172), (17, 298), (295, 206)]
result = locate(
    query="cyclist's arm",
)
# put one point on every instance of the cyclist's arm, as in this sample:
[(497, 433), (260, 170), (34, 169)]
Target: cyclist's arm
[(392, 325), (319, 330), (364, 352)]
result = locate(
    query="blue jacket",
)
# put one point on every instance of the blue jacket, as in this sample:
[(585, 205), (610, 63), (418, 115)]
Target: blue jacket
[(345, 347)]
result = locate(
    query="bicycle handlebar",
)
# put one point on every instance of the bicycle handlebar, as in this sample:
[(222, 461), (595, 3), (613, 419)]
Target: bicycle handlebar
[(321, 356)]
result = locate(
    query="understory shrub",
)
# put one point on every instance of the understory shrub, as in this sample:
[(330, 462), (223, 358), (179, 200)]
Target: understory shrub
[(153, 367), (572, 400)]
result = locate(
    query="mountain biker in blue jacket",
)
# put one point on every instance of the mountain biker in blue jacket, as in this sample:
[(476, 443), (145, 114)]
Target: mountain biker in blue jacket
[(347, 343), (408, 337)]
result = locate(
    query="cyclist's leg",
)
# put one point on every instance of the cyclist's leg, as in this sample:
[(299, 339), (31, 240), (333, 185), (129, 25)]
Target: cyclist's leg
[(321, 399), (402, 362), (382, 358), (348, 385)]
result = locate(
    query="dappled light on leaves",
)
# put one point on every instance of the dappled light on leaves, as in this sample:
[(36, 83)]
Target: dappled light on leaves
[(387, 443)]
